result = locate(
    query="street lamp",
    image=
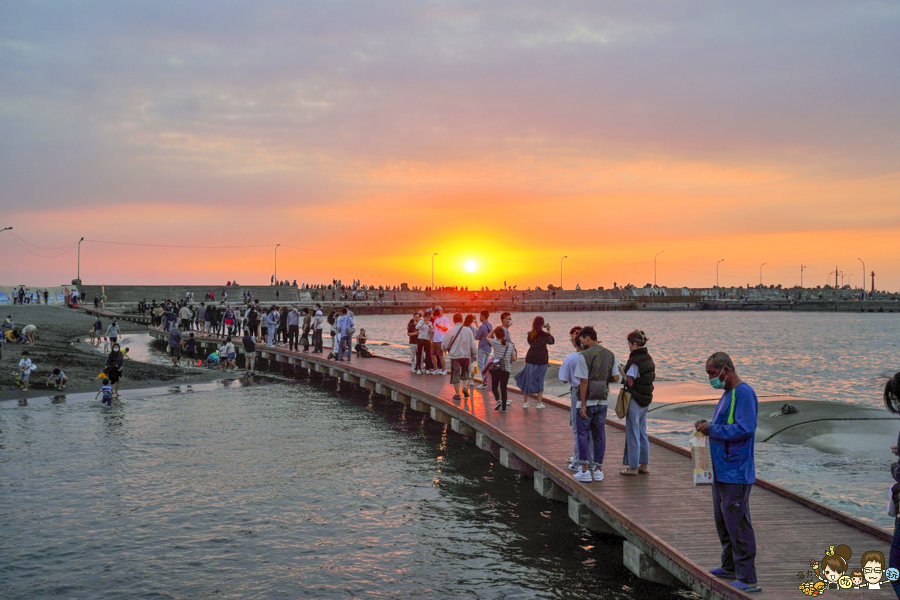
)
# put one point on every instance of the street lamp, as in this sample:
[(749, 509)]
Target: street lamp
[(801, 275), (717, 272), (432, 271), (654, 266), (760, 273), (275, 277), (4, 229), (864, 273), (79, 259), (560, 270)]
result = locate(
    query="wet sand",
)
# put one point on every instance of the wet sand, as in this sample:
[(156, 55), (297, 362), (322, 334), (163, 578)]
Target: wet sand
[(59, 344)]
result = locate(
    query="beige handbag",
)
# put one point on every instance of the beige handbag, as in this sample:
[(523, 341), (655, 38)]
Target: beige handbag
[(622, 403)]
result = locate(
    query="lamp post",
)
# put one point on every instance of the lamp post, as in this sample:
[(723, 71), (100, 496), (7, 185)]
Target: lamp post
[(760, 273), (432, 271), (654, 266), (79, 259), (863, 286), (801, 275), (560, 270), (717, 272), (276, 262), (4, 229)]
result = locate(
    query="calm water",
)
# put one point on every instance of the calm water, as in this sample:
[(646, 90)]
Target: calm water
[(844, 357), (277, 491)]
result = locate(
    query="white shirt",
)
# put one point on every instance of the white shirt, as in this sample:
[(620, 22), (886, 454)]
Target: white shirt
[(319, 320), (441, 327), (567, 369)]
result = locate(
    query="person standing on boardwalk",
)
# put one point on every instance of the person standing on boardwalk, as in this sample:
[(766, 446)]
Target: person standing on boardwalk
[(484, 347), (307, 326), (318, 328), (640, 372), (531, 379), (345, 327), (567, 375), (185, 315), (413, 335), (293, 322), (423, 344), (503, 350), (441, 325), (731, 443), (597, 367), (272, 320), (460, 346)]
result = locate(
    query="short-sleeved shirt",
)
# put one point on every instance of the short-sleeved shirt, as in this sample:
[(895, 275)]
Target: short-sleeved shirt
[(175, 338), (107, 392), (567, 369), (502, 353), (441, 327), (60, 375), (481, 334)]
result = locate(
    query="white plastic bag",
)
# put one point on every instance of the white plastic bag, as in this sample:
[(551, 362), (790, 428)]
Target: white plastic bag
[(699, 443)]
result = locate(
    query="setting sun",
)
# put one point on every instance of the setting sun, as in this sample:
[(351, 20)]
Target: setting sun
[(471, 265)]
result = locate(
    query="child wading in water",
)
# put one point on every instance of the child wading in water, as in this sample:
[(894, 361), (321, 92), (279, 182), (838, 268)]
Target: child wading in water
[(107, 392)]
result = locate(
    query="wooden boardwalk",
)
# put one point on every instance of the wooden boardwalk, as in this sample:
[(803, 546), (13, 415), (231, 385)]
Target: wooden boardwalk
[(662, 516)]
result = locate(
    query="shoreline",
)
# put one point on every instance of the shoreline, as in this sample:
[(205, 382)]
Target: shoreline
[(59, 344)]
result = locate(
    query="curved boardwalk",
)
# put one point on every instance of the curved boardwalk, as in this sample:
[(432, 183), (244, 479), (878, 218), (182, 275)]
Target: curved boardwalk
[(666, 521)]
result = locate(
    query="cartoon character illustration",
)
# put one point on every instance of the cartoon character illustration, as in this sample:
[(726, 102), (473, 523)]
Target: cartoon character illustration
[(857, 578), (834, 565), (873, 568)]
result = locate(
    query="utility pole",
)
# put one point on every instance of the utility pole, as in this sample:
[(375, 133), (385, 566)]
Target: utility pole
[(717, 272), (760, 273), (79, 260), (863, 284), (835, 276), (801, 275)]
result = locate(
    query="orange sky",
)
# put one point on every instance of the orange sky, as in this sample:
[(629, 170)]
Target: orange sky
[(512, 137)]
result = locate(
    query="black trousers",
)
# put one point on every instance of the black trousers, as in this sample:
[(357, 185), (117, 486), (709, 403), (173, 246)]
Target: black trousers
[(499, 381), (426, 347), (293, 335)]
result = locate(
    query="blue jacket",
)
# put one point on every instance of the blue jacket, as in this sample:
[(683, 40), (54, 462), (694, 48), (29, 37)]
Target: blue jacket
[(731, 444)]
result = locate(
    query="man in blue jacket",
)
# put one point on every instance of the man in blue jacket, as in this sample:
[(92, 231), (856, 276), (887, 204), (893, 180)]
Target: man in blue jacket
[(731, 435)]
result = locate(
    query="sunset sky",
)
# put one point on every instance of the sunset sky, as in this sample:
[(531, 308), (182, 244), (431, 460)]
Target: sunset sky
[(366, 136)]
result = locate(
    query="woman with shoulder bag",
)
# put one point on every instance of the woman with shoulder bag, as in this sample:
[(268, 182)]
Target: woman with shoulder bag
[(640, 372), (500, 367)]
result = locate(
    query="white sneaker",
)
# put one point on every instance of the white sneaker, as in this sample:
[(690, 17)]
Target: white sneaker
[(445, 372), (417, 372), (482, 386), (584, 476), (574, 467), (524, 405), (598, 475), (541, 405), (572, 458)]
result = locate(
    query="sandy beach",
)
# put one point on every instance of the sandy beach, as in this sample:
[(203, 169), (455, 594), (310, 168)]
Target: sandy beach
[(60, 343)]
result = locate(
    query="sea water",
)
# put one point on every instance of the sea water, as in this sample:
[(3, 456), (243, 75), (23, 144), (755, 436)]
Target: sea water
[(285, 490)]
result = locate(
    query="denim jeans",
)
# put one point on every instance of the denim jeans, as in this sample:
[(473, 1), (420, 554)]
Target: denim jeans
[(573, 421), (637, 443), (317, 340), (412, 355), (343, 347), (592, 429), (483, 361)]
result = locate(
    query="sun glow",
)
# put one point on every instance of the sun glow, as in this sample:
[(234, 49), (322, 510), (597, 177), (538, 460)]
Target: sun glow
[(471, 265)]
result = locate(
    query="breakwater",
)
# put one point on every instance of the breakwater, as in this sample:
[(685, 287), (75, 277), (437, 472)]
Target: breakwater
[(126, 298)]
